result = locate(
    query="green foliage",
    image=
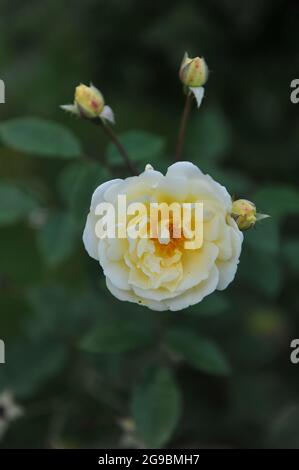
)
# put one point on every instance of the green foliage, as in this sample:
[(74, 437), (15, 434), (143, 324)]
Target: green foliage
[(283, 432), (18, 242), (264, 238), (60, 310), (76, 185), (56, 239), (15, 203), (199, 352), (115, 336), (212, 305), (263, 273), (39, 137), (277, 200), (235, 182), (291, 254), (143, 147), (31, 364), (261, 266), (210, 137), (156, 407)]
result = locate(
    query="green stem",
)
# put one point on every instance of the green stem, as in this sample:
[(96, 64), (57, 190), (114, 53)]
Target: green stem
[(183, 124), (110, 133)]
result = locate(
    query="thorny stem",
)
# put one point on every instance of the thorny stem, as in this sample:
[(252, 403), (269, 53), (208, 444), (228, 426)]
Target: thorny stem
[(110, 133), (182, 131)]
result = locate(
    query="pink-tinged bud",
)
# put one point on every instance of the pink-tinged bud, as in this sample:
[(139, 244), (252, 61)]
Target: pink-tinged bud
[(193, 72), (244, 213), (89, 101)]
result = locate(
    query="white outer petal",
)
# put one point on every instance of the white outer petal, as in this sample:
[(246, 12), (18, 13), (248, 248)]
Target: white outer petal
[(99, 194), (227, 269), (154, 294), (190, 171), (197, 266), (116, 271), (89, 237), (130, 296), (70, 108), (107, 114), (196, 294), (198, 92), (185, 169)]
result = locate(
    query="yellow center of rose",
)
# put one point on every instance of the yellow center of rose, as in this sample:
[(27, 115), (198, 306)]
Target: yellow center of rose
[(174, 244)]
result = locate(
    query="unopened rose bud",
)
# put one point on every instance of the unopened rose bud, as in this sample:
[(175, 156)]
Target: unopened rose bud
[(193, 72), (244, 213), (89, 103)]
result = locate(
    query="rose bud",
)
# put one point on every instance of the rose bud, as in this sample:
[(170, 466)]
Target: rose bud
[(244, 213), (193, 72), (89, 103)]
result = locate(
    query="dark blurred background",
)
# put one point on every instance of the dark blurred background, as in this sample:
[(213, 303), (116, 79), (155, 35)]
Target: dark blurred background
[(246, 135)]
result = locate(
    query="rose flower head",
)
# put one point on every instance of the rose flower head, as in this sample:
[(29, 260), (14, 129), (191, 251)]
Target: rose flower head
[(161, 267)]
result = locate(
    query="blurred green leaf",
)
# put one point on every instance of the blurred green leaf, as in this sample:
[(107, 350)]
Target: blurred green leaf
[(235, 182), (50, 307), (14, 314), (209, 137), (264, 237), (267, 323), (199, 352), (277, 200), (25, 267), (116, 335), (56, 238), (77, 182), (15, 203), (39, 137), (141, 146), (259, 343), (211, 305), (261, 271), (284, 430), (30, 364), (256, 389), (260, 263), (156, 408), (58, 308), (290, 250)]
